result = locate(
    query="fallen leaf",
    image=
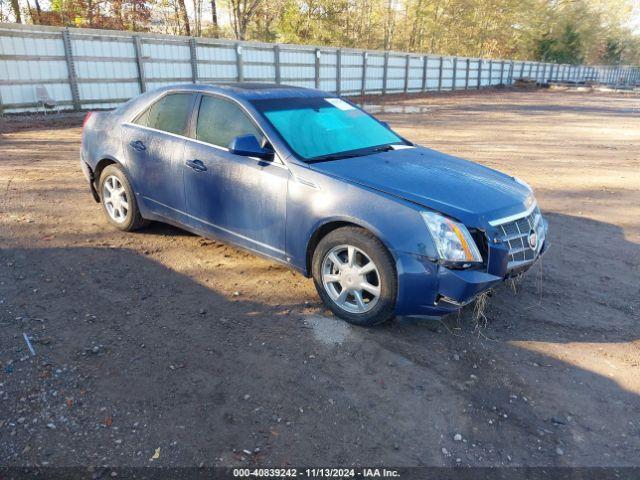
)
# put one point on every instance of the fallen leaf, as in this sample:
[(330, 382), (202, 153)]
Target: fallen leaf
[(156, 454)]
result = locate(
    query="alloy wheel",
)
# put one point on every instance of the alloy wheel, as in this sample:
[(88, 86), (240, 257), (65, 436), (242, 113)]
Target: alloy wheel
[(351, 279), (115, 199)]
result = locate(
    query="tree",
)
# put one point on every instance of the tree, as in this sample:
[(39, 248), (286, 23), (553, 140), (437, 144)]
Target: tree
[(568, 31), (214, 17), (613, 51), (15, 6), (242, 13), (182, 12)]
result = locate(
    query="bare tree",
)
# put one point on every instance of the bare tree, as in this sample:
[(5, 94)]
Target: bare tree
[(185, 18), (15, 6), (214, 17), (389, 25), (242, 12), (197, 18)]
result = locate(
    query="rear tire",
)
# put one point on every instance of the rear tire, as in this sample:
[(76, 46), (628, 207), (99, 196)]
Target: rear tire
[(355, 276), (118, 200)]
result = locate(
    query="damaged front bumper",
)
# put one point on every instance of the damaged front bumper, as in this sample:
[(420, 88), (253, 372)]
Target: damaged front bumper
[(429, 289)]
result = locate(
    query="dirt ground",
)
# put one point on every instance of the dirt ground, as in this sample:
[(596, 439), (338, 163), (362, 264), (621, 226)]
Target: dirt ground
[(163, 342)]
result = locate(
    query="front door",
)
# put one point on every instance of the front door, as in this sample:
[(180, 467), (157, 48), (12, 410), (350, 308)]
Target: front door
[(239, 198)]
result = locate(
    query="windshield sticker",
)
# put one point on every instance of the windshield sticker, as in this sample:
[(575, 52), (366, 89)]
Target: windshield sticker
[(340, 104)]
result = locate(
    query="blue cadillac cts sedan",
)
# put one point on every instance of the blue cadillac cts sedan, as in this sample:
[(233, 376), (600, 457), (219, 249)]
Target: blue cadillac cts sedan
[(385, 227)]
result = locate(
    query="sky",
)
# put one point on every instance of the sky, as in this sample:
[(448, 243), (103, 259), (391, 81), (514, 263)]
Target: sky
[(634, 22)]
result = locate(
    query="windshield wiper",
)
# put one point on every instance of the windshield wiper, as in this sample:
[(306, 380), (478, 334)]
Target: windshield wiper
[(383, 148), (334, 156), (339, 156)]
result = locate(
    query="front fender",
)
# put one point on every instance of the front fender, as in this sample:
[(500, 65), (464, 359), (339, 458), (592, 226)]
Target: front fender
[(315, 200)]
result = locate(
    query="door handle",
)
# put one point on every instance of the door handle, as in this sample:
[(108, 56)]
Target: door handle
[(138, 145), (196, 165)]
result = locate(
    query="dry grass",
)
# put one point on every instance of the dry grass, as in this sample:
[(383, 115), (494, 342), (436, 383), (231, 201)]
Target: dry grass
[(479, 316)]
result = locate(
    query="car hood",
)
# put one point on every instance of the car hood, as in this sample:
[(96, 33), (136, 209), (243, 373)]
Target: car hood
[(465, 190)]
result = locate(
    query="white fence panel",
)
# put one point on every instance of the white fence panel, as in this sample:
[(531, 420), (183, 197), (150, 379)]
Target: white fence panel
[(82, 68)]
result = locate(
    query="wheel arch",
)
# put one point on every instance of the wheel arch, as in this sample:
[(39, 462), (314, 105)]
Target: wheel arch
[(102, 164), (325, 228)]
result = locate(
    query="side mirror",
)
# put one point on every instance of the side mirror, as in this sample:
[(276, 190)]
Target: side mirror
[(248, 146)]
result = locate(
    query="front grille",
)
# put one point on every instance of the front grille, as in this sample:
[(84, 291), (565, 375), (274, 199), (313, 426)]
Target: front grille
[(516, 234)]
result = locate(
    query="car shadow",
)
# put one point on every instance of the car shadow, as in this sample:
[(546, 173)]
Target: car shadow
[(138, 357)]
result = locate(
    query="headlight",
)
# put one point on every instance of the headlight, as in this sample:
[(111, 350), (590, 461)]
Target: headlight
[(452, 239)]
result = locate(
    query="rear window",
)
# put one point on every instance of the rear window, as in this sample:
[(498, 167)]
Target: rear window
[(169, 114)]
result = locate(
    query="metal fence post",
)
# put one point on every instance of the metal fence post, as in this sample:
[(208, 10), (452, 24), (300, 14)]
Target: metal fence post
[(71, 69), (522, 70), (425, 61), (490, 73), (544, 73), (501, 72), (407, 61), (339, 71), (512, 65), (479, 73), (137, 45), (455, 74), (363, 86), (537, 71), (385, 68), (194, 60), (239, 63), (317, 68), (440, 74), (466, 74), (530, 69), (276, 63)]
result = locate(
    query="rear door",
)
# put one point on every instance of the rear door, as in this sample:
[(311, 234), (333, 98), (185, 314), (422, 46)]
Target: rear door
[(237, 197), (154, 141)]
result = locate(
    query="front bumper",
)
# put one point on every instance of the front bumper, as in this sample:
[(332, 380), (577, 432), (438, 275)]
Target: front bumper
[(427, 288)]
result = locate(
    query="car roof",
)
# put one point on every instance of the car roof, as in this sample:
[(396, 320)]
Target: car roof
[(253, 91)]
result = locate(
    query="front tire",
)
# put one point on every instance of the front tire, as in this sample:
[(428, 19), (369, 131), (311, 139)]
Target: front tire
[(355, 276), (118, 200)]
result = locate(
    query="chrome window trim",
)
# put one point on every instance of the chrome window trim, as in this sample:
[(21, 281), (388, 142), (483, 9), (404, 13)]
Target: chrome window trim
[(277, 162), (517, 216)]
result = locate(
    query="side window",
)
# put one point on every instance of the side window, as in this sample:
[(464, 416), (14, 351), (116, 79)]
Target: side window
[(220, 121), (169, 114)]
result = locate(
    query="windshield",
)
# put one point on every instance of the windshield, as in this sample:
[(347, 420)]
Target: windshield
[(325, 128)]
